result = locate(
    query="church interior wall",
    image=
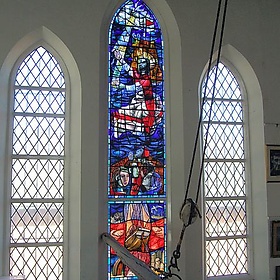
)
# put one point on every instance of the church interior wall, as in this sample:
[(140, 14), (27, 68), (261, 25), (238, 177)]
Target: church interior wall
[(252, 28)]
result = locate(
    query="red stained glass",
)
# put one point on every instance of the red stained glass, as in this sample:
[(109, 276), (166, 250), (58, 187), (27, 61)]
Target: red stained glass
[(136, 139)]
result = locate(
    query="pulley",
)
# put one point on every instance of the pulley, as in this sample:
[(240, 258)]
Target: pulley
[(189, 212)]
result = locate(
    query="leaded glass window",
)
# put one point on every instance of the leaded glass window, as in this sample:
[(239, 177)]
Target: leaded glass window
[(136, 126), (224, 176), (37, 168)]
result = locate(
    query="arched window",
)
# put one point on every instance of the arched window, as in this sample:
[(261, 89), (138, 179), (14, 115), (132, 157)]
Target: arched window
[(225, 175), (136, 142), (37, 164)]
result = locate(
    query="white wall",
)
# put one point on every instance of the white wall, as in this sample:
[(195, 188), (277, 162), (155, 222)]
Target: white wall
[(252, 28)]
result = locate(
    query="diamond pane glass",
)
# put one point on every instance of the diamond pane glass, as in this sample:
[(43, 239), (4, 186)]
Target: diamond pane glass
[(35, 263), (38, 135), (223, 111), (37, 178), (37, 168), (224, 175), (225, 141), (225, 218), (136, 138), (226, 257), (224, 179), (39, 101), (40, 69), (36, 222), (226, 85)]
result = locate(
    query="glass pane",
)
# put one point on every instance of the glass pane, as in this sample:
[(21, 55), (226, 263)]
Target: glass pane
[(37, 178), (224, 179), (225, 141), (141, 228), (226, 85), (38, 135), (226, 257), (39, 101), (225, 218), (36, 263), (136, 104), (36, 222), (37, 168), (223, 111), (224, 175), (40, 69)]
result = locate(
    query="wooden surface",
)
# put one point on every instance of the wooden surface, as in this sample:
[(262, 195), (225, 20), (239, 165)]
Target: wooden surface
[(138, 267)]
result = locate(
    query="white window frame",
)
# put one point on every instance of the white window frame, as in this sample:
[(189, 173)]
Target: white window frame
[(258, 239), (66, 128), (246, 199), (44, 37)]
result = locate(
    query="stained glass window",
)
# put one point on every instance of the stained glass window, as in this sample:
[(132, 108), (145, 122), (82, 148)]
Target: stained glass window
[(136, 129), (224, 176), (37, 168)]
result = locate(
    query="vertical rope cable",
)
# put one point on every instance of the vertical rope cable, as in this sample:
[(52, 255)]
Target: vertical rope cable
[(177, 253), (203, 101), (212, 101)]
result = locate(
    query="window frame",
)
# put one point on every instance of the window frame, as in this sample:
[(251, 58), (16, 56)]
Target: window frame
[(132, 198), (44, 37), (174, 124), (242, 101), (258, 249), (9, 149)]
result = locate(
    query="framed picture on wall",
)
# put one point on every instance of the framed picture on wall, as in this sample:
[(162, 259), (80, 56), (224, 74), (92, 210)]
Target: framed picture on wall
[(275, 239), (277, 272), (273, 163)]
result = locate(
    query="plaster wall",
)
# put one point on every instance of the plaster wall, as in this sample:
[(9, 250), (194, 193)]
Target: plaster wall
[(252, 28)]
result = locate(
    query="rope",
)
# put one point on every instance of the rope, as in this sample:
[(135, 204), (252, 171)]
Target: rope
[(193, 204), (203, 101), (212, 99)]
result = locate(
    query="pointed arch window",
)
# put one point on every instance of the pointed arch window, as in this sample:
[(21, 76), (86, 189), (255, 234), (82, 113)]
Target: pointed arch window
[(37, 156), (225, 174), (136, 139)]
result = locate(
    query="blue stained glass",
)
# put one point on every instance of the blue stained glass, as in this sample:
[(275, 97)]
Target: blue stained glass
[(136, 139), (136, 103)]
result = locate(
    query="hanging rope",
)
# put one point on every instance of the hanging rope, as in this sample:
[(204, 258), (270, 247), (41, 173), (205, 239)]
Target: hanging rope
[(189, 210), (212, 99)]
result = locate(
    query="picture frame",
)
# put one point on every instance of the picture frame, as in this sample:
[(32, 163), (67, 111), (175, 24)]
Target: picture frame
[(275, 240), (277, 273), (273, 163)]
